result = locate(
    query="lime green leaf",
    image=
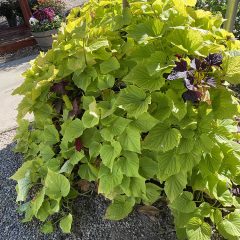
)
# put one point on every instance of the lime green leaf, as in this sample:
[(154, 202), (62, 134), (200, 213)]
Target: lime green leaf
[(130, 140), (120, 208), (66, 223), (46, 152), (109, 65), (105, 81), (57, 185), (109, 180), (184, 203), (230, 226), (23, 187), (231, 66), (162, 138), (84, 79), (153, 193), (37, 202), (168, 165), (72, 130), (134, 186), (174, 185), (144, 122), (51, 135), (90, 119), (197, 229), (188, 41), (88, 172), (47, 227), (139, 75), (109, 153), (134, 100), (129, 164), (143, 32), (148, 167), (96, 45)]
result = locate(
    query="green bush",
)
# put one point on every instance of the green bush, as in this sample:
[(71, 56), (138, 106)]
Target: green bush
[(137, 101)]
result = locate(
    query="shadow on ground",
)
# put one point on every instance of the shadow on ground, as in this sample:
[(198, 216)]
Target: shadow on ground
[(88, 213)]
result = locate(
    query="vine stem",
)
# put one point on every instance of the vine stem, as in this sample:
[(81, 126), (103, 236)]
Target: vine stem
[(125, 4)]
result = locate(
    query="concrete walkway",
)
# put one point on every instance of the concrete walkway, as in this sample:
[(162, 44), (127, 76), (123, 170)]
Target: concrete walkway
[(10, 78)]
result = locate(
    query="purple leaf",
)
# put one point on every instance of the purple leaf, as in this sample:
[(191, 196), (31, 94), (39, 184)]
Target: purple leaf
[(180, 66), (193, 96), (195, 64), (214, 59), (59, 87), (76, 109), (211, 81), (176, 75)]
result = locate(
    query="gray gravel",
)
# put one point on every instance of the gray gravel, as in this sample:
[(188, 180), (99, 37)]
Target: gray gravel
[(88, 212)]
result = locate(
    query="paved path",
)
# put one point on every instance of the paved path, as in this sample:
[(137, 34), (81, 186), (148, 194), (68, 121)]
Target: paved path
[(10, 78)]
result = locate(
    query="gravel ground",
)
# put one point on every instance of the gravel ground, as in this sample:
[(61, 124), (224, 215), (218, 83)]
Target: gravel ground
[(88, 220)]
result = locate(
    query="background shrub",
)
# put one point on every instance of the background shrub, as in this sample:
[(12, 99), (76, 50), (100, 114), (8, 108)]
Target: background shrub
[(137, 101)]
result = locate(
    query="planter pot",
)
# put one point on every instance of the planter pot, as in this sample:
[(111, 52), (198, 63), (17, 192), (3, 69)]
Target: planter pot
[(12, 21), (44, 39)]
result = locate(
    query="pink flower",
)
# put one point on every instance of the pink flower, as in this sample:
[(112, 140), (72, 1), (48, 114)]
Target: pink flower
[(44, 14)]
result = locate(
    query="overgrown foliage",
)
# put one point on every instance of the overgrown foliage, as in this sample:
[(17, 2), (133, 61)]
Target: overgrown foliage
[(136, 100), (220, 6)]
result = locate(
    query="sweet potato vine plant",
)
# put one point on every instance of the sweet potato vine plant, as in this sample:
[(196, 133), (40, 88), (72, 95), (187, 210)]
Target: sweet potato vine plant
[(137, 100)]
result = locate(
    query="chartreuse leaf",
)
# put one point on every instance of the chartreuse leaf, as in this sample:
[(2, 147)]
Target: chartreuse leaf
[(37, 202), (144, 122), (153, 193), (231, 66), (109, 65), (198, 229), (143, 32), (148, 167), (88, 172), (90, 119), (133, 100), (23, 187), (120, 208), (109, 152), (139, 76), (72, 130), (129, 164), (229, 227), (51, 135), (184, 203), (188, 41), (57, 185), (66, 223), (162, 138), (168, 165), (174, 185), (130, 140), (47, 227), (134, 186), (109, 180)]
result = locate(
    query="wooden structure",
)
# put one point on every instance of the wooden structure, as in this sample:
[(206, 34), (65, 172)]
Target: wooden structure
[(15, 38)]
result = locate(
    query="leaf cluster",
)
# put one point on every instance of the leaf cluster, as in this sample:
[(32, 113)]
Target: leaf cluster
[(110, 106)]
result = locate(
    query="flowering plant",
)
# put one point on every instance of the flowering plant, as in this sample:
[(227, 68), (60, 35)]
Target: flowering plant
[(48, 15)]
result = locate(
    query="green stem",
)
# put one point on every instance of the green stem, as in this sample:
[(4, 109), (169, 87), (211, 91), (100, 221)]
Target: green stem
[(232, 9), (125, 4)]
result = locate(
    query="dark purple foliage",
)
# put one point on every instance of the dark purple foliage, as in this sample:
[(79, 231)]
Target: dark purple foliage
[(76, 109), (78, 144), (180, 66), (214, 59), (193, 96), (59, 88), (211, 81), (176, 75)]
